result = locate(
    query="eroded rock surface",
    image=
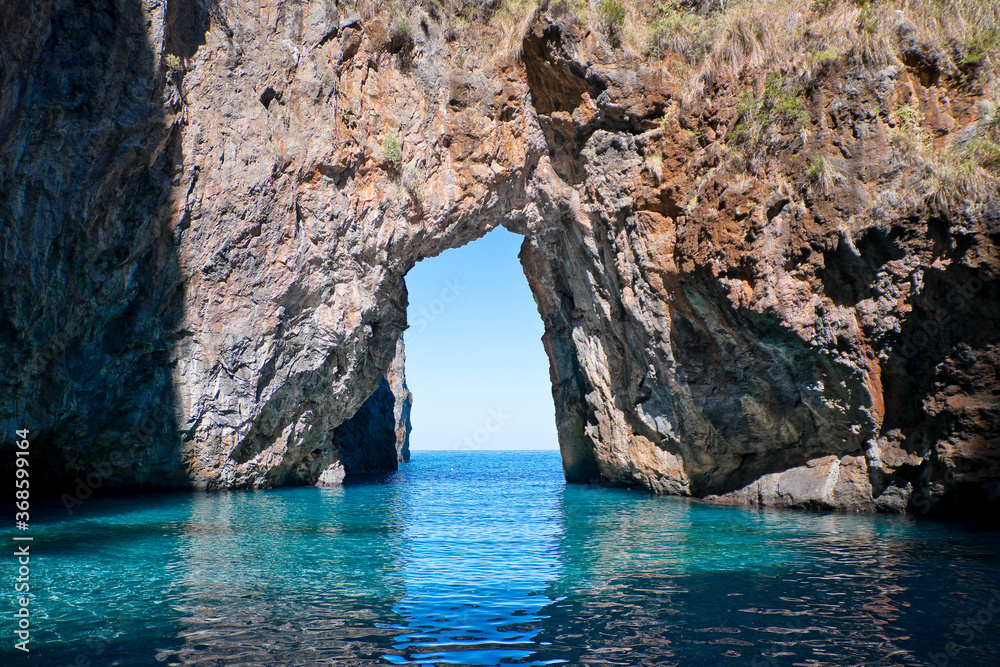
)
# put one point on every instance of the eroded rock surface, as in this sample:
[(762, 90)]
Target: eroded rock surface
[(212, 247)]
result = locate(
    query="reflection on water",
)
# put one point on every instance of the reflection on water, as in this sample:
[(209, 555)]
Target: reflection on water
[(268, 583), (480, 551), (488, 558), (662, 581)]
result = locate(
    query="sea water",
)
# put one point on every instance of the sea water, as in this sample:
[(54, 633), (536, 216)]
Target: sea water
[(489, 558)]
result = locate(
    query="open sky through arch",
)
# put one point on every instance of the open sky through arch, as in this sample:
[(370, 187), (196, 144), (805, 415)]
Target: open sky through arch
[(474, 357)]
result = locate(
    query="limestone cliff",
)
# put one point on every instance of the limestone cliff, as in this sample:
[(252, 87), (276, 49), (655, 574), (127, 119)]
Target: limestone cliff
[(765, 275)]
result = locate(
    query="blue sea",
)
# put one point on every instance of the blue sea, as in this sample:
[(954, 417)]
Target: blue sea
[(489, 558)]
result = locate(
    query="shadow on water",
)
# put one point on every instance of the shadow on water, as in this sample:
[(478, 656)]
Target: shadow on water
[(372, 478)]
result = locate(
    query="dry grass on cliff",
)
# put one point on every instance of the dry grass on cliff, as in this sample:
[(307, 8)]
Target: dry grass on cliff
[(967, 172), (959, 39), (718, 40), (961, 36), (708, 43), (496, 27), (514, 19)]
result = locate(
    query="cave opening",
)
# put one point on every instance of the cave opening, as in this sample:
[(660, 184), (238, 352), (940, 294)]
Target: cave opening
[(474, 359)]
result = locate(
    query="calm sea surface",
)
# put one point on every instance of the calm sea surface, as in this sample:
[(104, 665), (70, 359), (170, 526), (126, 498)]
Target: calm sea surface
[(488, 558)]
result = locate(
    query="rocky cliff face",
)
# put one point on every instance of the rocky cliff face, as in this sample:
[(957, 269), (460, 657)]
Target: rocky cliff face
[(761, 289)]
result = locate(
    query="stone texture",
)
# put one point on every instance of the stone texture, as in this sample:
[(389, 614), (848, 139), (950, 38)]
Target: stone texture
[(377, 437), (210, 253)]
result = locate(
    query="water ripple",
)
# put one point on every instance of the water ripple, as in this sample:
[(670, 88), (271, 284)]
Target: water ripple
[(487, 559)]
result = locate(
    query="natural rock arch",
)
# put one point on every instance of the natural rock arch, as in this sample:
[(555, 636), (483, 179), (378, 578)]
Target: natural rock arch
[(699, 338)]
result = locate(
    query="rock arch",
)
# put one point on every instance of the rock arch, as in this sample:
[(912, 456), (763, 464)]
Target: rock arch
[(693, 345)]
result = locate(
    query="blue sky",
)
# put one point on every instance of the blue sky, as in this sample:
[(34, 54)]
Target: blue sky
[(474, 356)]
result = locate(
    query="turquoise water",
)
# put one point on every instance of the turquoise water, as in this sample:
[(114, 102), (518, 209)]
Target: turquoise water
[(487, 558)]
